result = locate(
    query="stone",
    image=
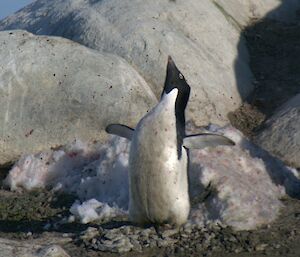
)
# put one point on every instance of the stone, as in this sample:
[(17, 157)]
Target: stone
[(52, 251), (241, 12), (261, 247), (90, 233), (244, 183), (206, 47), (281, 133), (120, 245), (32, 248), (54, 91)]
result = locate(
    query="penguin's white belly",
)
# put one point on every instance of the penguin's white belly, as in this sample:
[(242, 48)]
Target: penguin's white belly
[(158, 179)]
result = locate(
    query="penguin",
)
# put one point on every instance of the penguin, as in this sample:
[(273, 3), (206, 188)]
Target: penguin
[(158, 158)]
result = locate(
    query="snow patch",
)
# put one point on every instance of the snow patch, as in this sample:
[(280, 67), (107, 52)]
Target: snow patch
[(93, 210)]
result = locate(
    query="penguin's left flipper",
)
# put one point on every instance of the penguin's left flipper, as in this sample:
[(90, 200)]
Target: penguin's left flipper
[(203, 140), (120, 130)]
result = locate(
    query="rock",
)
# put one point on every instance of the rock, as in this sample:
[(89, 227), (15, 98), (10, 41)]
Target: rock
[(240, 12), (32, 248), (243, 182), (54, 91), (90, 233), (169, 233), (281, 133), (261, 247), (136, 245), (119, 244), (52, 251), (145, 233), (207, 48)]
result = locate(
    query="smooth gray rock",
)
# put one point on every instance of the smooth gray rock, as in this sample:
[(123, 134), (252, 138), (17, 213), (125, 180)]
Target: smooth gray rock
[(54, 91), (281, 133), (205, 45), (43, 247), (52, 251)]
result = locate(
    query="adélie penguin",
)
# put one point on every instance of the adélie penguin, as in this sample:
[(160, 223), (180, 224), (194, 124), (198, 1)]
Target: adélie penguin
[(158, 159)]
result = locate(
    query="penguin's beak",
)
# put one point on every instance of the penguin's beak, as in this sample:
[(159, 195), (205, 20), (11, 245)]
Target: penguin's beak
[(172, 70), (170, 61)]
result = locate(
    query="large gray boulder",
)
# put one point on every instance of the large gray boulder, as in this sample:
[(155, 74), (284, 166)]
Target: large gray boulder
[(204, 44), (53, 91), (281, 133)]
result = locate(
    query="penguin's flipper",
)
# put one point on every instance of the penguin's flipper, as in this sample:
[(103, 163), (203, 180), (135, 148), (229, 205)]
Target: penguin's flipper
[(120, 130), (203, 140)]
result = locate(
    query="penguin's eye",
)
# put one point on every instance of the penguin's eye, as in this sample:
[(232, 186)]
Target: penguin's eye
[(180, 76)]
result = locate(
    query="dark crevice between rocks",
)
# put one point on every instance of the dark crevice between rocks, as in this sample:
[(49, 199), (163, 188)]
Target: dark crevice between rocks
[(274, 49), (4, 169)]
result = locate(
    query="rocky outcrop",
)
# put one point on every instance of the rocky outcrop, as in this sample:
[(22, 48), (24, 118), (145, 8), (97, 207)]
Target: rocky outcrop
[(54, 91), (202, 41), (281, 133)]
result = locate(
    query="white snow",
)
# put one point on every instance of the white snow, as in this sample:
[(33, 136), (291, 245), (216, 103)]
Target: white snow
[(91, 171), (94, 210), (243, 183)]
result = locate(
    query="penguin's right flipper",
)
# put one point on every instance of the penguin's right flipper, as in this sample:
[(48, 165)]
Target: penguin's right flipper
[(203, 140), (120, 130)]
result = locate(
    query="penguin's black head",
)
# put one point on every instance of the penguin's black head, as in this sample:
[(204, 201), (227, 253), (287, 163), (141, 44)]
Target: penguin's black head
[(175, 79)]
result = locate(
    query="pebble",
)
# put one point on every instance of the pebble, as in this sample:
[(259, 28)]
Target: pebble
[(238, 250), (113, 234), (147, 232), (261, 247), (65, 235), (52, 251), (169, 233), (89, 233), (47, 226), (136, 245), (120, 245), (277, 246)]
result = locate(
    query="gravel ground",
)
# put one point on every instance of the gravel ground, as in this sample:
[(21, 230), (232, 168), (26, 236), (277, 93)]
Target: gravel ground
[(274, 49), (281, 238), (38, 214)]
